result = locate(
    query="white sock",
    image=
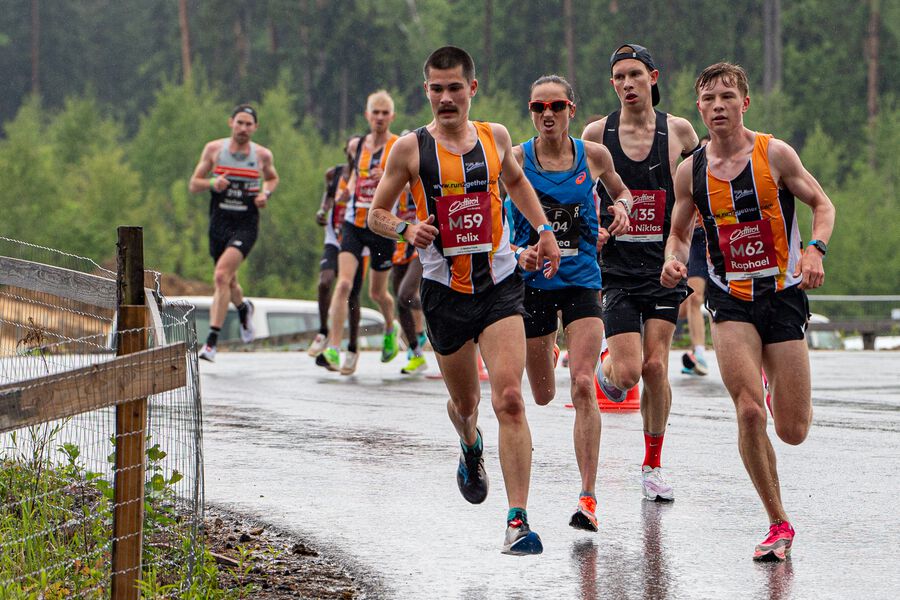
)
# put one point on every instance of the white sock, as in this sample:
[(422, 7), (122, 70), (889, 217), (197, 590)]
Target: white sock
[(699, 350)]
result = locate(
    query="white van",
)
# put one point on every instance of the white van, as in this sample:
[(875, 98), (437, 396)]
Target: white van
[(276, 316)]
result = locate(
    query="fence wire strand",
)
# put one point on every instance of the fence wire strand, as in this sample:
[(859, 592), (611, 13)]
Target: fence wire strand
[(56, 478)]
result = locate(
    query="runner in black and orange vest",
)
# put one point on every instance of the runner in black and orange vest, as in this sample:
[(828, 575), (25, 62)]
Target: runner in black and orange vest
[(240, 177), (744, 185), (471, 293), (638, 314), (330, 216), (370, 156), (406, 277)]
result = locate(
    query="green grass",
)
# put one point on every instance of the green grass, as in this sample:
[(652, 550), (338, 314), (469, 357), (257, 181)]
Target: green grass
[(56, 524)]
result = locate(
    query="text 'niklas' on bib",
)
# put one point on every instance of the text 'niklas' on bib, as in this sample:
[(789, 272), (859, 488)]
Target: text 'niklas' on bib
[(648, 212), (465, 223), (748, 249)]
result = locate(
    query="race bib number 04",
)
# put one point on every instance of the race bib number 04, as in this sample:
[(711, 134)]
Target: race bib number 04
[(465, 223), (749, 250), (566, 222), (648, 211)]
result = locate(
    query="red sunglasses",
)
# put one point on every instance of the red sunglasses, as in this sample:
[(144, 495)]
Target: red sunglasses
[(537, 106)]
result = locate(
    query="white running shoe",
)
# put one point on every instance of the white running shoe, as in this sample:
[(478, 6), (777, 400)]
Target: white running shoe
[(654, 485), (208, 353), (350, 360), (247, 332), (318, 345)]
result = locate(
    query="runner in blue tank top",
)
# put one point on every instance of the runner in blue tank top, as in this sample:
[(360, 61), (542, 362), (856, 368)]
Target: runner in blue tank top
[(563, 172)]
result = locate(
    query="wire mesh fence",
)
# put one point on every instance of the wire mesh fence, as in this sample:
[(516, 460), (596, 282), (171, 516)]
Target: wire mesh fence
[(62, 389)]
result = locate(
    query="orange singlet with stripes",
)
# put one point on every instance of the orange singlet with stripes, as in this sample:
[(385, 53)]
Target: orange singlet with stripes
[(471, 252), (361, 200), (751, 226)]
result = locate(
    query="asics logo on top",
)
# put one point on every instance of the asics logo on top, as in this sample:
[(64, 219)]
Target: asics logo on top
[(581, 177), (738, 194), (475, 165)]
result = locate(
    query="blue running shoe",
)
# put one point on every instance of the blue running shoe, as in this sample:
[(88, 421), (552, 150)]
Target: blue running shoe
[(520, 539), (471, 477)]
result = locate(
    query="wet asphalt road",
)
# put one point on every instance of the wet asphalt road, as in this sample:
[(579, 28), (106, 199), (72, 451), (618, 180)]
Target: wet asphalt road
[(366, 465)]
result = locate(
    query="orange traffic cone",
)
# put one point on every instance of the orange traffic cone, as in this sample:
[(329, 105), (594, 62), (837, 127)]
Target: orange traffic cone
[(632, 400), (482, 372)]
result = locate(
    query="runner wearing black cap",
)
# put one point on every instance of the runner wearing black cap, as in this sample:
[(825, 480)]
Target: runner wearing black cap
[(638, 313), (240, 177)]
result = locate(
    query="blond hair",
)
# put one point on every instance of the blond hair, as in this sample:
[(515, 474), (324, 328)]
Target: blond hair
[(379, 97)]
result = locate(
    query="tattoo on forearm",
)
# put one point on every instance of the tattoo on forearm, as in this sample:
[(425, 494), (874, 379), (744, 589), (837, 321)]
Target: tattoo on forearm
[(384, 222)]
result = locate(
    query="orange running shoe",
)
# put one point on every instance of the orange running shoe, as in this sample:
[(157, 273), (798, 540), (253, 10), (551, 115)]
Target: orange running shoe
[(584, 517)]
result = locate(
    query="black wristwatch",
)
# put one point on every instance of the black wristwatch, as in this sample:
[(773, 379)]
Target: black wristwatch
[(400, 229), (819, 245)]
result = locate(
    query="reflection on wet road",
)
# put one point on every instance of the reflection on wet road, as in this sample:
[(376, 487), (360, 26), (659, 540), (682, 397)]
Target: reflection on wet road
[(365, 466)]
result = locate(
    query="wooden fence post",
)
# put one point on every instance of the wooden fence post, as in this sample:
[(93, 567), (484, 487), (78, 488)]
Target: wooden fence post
[(131, 422)]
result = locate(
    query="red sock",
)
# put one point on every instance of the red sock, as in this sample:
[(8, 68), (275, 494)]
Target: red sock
[(652, 449)]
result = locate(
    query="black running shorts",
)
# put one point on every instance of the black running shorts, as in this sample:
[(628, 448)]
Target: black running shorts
[(626, 312), (355, 239), (541, 307), (697, 266), (329, 260), (239, 234), (777, 316), (454, 318)]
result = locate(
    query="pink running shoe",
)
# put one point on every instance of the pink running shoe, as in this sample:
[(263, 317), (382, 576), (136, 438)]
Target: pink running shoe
[(777, 545)]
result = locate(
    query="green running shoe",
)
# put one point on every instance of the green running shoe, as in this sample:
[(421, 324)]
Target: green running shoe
[(332, 358), (415, 365), (390, 347)]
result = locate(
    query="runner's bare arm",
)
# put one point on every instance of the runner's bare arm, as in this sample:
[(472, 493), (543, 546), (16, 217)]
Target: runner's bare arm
[(593, 132), (519, 154), (200, 180), (327, 199), (270, 176), (352, 149), (685, 134), (679, 243), (789, 172), (601, 163), (526, 200), (401, 170)]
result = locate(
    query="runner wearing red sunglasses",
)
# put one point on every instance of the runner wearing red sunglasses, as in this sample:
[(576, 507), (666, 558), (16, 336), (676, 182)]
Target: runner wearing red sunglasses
[(638, 313), (563, 172)]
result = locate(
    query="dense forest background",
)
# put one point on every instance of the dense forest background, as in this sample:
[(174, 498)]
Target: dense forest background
[(106, 105)]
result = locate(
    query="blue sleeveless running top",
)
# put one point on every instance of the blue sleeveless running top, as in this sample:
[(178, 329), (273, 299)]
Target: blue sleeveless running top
[(567, 198)]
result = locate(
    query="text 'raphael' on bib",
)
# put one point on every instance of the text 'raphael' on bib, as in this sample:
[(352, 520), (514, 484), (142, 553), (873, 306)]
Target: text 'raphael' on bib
[(749, 250), (566, 222), (365, 191), (465, 223), (648, 212)]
